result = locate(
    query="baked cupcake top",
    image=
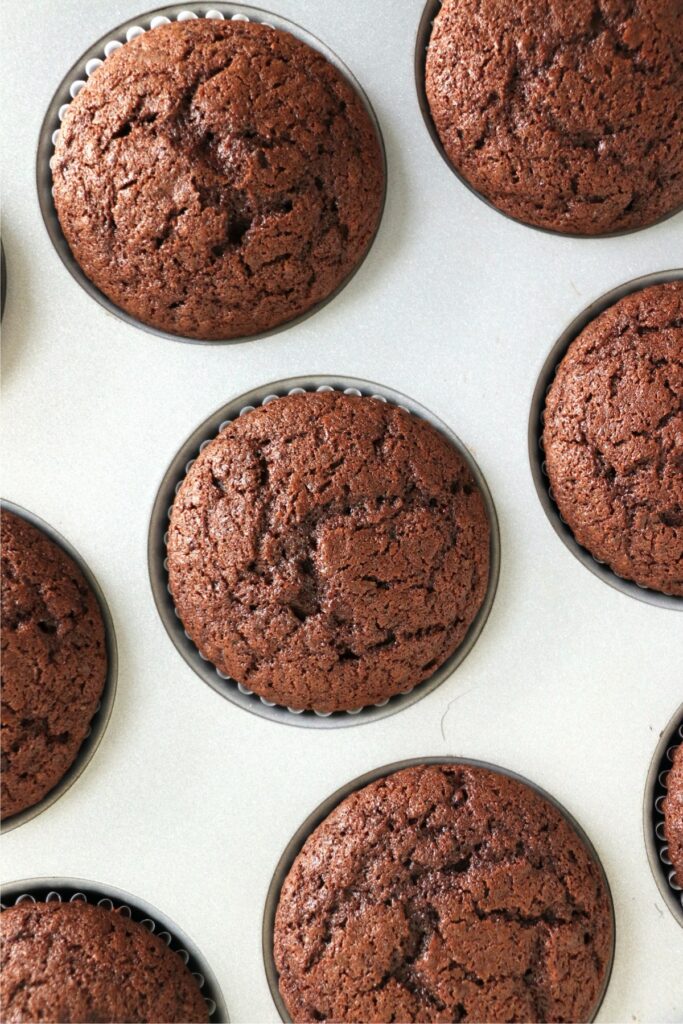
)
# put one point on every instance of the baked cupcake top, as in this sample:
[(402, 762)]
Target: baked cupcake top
[(565, 114), (613, 437), (217, 178), (443, 892), (54, 663), (672, 805), (76, 962), (328, 551)]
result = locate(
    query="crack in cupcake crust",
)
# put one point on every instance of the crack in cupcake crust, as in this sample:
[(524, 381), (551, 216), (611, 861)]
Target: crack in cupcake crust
[(229, 169), (328, 551), (613, 425), (54, 663), (443, 892)]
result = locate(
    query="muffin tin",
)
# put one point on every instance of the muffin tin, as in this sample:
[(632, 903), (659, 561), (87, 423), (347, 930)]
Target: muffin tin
[(458, 307), (314, 819), (158, 574), (537, 456), (90, 60), (101, 717), (63, 890), (653, 816)]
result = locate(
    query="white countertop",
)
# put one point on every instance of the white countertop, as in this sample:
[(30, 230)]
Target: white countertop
[(189, 801)]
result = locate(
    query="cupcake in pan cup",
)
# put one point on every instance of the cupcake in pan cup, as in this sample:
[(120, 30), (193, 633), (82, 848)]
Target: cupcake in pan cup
[(215, 177), (68, 944), (58, 665), (564, 115), (605, 438), (663, 815), (327, 550), (439, 889)]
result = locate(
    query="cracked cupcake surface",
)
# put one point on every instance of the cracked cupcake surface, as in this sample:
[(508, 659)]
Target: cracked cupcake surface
[(54, 663), (216, 179), (328, 551), (77, 962), (565, 114), (613, 438), (443, 893)]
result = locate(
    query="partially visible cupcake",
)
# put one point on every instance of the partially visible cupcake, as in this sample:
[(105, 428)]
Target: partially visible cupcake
[(565, 114), (75, 962), (613, 438), (672, 806), (328, 551), (54, 663), (216, 179), (443, 892)]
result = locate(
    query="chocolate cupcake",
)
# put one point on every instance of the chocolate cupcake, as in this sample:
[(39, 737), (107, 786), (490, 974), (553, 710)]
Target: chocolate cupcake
[(443, 892), (672, 806), (565, 115), (328, 551), (613, 438), (79, 962), (54, 663), (215, 179)]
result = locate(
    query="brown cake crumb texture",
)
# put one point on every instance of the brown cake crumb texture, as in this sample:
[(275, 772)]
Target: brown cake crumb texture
[(613, 438), (54, 663), (217, 178), (76, 962), (673, 814), (443, 893), (565, 114), (328, 551)]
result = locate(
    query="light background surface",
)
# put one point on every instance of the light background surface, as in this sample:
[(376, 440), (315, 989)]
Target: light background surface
[(189, 800)]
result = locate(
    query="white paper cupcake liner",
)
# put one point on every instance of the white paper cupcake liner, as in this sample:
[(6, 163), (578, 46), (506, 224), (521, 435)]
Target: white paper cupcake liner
[(92, 59), (158, 562), (102, 713), (49, 890), (537, 452), (670, 886), (324, 809)]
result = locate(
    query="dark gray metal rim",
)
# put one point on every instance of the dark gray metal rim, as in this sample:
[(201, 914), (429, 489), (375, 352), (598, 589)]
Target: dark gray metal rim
[(140, 909), (101, 717), (424, 32), (325, 808), (3, 280), (535, 435), (156, 553), (51, 124), (655, 789)]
